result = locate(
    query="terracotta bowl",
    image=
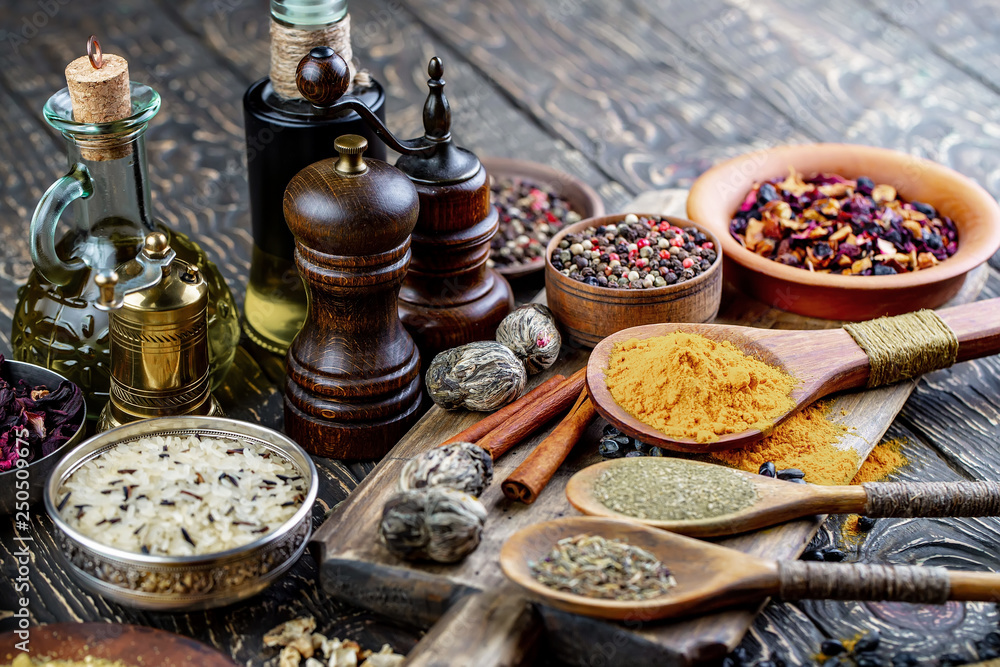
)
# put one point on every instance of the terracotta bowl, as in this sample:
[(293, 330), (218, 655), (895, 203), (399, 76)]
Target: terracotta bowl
[(580, 196), (717, 194), (588, 314)]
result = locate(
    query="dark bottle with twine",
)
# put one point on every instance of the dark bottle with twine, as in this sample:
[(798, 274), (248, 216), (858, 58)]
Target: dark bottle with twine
[(285, 134)]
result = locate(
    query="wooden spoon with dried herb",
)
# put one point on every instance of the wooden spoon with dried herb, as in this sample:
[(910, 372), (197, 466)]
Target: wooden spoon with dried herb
[(705, 576), (709, 500)]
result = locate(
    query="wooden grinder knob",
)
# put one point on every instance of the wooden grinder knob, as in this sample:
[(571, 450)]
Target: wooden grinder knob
[(322, 76)]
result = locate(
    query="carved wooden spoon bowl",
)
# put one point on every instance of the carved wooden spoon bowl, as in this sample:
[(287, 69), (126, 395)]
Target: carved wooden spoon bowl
[(779, 501), (711, 577), (822, 362)]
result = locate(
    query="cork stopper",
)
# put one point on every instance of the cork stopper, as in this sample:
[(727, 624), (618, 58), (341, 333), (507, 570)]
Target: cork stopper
[(99, 86)]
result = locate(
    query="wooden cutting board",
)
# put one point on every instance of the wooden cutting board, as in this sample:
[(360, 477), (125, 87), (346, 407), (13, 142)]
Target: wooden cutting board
[(357, 568)]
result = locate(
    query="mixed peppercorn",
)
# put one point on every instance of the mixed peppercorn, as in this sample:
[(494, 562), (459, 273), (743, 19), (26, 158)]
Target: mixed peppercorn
[(638, 253), (832, 224), (530, 215)]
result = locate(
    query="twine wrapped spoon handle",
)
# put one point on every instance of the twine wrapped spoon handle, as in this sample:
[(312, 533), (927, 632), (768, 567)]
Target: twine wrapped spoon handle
[(927, 499)]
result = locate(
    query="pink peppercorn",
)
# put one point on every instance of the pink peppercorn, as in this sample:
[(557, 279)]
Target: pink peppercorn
[(642, 243), (677, 241), (614, 257), (687, 263), (708, 245), (642, 261), (664, 254)]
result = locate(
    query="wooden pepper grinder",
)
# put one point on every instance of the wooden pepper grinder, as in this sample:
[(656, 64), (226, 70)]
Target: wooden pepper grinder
[(450, 297), (353, 383)]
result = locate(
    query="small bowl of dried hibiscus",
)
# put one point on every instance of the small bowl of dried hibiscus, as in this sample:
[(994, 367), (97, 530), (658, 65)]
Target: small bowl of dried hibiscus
[(42, 416), (846, 232)]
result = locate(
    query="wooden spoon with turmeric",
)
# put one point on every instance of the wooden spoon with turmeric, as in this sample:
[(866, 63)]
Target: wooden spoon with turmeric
[(820, 362), (768, 501)]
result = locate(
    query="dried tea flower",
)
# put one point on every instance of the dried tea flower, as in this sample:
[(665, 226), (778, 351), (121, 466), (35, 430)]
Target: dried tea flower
[(461, 466), (531, 333), (433, 523), (42, 417), (480, 376)]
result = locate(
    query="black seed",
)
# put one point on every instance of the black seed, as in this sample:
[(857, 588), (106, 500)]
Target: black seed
[(767, 469), (868, 643), (656, 451), (832, 647), (610, 429), (187, 538), (145, 549), (791, 473), (833, 554), (905, 659), (62, 503), (633, 454), (609, 449), (865, 523), (168, 503), (136, 531), (954, 659), (868, 660), (813, 554)]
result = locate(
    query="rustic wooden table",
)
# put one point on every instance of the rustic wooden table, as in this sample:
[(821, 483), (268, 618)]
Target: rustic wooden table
[(630, 96)]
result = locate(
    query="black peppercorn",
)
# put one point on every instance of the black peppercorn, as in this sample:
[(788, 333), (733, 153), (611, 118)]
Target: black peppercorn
[(868, 643), (832, 647), (865, 523), (767, 469)]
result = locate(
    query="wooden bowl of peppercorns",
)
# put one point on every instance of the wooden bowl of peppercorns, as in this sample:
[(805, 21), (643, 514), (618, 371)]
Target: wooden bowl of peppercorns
[(940, 227), (613, 272)]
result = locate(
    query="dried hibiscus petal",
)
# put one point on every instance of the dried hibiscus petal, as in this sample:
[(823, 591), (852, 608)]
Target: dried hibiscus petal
[(36, 418)]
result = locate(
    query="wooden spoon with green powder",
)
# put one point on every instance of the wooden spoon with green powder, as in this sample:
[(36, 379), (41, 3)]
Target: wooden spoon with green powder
[(821, 362), (708, 500), (708, 576)]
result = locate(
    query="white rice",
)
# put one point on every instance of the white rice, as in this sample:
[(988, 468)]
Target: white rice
[(181, 495)]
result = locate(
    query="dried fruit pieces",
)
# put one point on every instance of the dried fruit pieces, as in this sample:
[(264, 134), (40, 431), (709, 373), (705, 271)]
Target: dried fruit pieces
[(831, 224)]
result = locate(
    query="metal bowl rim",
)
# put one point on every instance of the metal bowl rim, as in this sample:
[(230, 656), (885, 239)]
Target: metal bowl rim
[(91, 447)]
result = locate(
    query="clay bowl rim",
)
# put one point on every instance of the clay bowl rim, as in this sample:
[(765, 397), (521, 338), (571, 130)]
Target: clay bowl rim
[(637, 294), (964, 260), (557, 179)]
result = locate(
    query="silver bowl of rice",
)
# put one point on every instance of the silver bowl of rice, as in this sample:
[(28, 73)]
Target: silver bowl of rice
[(182, 513)]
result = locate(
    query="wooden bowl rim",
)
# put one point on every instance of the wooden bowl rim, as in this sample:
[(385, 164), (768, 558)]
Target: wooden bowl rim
[(602, 292), (964, 260), (560, 181)]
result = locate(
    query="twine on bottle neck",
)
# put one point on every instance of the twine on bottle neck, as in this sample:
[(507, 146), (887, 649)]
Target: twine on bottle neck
[(289, 45), (905, 346)]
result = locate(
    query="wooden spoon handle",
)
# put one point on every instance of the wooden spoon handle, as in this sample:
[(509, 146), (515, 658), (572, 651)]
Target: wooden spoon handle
[(912, 499), (799, 580), (977, 327)]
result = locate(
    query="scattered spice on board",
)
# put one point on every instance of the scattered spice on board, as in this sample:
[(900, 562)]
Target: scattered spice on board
[(530, 215), (691, 387), (808, 441), (668, 489), (831, 224), (639, 253), (886, 458), (596, 567)]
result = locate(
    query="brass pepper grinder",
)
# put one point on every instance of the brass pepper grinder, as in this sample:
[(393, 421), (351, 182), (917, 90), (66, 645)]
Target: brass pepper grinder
[(158, 307), (449, 297), (353, 382)]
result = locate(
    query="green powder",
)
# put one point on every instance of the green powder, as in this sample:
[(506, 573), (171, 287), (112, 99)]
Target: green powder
[(665, 489)]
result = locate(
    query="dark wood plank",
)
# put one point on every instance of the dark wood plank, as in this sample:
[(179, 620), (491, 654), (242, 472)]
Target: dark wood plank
[(614, 84)]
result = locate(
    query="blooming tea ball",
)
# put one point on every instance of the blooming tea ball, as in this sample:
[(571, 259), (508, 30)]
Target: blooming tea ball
[(478, 376), (531, 333), (461, 466), (434, 523)]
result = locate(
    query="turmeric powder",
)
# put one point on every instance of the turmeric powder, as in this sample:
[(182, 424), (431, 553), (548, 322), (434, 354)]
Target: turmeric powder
[(807, 441), (691, 387), (886, 458)]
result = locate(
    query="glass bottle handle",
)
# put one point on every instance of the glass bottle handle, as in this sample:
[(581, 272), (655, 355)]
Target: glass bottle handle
[(74, 185)]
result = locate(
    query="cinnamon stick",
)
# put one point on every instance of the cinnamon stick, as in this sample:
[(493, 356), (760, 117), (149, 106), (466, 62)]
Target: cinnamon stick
[(534, 474), (533, 417), (476, 432)]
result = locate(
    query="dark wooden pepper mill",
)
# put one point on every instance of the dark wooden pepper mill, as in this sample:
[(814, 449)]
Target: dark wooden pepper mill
[(353, 383), (450, 297)]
